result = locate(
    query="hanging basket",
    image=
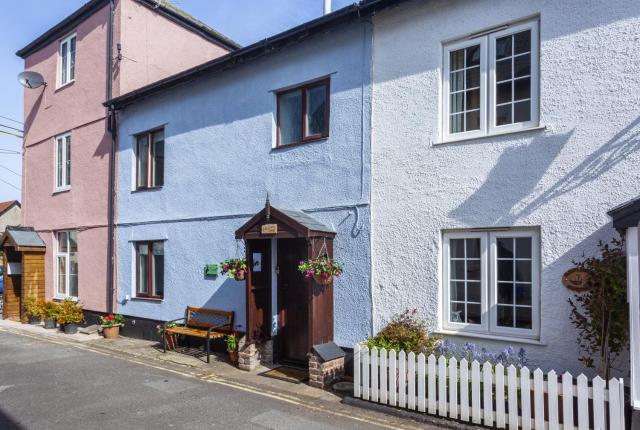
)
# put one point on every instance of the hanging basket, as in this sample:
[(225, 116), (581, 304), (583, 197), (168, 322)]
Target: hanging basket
[(323, 280), (239, 275)]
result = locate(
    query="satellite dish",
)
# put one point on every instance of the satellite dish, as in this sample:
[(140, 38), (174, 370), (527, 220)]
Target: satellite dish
[(31, 80)]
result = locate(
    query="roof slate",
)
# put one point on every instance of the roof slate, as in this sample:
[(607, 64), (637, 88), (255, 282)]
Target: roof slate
[(307, 221)]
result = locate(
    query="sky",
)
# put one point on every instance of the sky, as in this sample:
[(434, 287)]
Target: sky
[(245, 21)]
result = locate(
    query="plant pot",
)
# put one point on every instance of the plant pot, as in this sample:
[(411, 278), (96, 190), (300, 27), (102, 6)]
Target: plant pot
[(321, 280), (49, 324), (34, 320), (172, 341), (111, 332), (70, 328), (233, 357), (239, 275)]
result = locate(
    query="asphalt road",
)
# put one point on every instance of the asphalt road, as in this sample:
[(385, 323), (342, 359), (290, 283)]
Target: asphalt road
[(50, 386)]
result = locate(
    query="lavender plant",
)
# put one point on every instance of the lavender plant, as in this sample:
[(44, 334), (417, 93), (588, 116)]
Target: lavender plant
[(470, 351)]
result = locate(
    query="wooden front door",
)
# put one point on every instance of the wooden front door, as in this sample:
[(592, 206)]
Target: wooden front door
[(259, 289), (12, 288), (293, 303)]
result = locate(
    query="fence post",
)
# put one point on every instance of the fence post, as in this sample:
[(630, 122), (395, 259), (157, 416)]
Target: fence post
[(383, 376), (552, 395), (475, 392), (567, 400), (464, 390), (525, 398), (442, 386), (402, 379), (614, 405), (453, 388), (500, 422), (411, 380), (512, 386), (487, 405), (374, 374), (421, 381), (392, 378), (583, 402), (538, 398), (432, 384), (365, 373), (356, 371), (598, 403)]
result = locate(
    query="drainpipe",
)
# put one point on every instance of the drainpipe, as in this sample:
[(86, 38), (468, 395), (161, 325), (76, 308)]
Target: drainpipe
[(111, 126), (327, 7)]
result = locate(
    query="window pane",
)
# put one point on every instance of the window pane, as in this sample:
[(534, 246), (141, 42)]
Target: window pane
[(158, 158), (290, 117), (63, 61), (68, 160), (458, 314), (505, 270), (522, 111), (473, 100), (456, 123), (505, 316), (522, 42), (523, 247), (473, 120), (473, 270), (457, 290), (523, 271), (505, 293), (473, 248), (473, 314), (523, 294), (143, 251), (143, 160), (62, 275), (158, 269), (503, 47), (72, 59), (503, 69), (60, 162), (523, 318), (504, 92), (474, 292), (73, 275), (473, 77), (63, 241), (456, 248), (73, 241), (473, 56), (522, 65), (503, 115), (316, 108), (456, 81), (456, 60), (522, 89), (457, 269), (457, 102)]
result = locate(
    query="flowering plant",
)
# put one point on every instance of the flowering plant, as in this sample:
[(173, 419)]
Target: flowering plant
[(232, 341), (112, 320), (70, 312), (234, 268), (160, 327), (470, 351), (322, 269)]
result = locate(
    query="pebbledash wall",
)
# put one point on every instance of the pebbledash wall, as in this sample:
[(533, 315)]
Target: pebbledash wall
[(220, 162), (561, 179)]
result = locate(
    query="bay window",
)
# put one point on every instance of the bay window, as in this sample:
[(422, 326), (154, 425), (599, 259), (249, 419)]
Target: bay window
[(491, 282), (303, 113), (490, 83), (150, 269), (67, 264)]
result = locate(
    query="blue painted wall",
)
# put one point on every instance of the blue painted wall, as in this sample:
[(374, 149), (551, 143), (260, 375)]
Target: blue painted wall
[(220, 163)]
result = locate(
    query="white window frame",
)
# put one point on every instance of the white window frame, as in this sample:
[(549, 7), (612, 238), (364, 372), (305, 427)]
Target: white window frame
[(57, 293), (69, 80), (488, 83), (62, 163), (489, 284)]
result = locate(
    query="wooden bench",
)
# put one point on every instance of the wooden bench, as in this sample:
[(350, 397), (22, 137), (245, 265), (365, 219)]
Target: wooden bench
[(203, 323)]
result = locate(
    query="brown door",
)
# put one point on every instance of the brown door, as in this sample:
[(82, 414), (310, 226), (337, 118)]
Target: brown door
[(259, 289), (293, 301)]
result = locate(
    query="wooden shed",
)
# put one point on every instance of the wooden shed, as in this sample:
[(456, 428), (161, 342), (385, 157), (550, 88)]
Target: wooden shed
[(23, 252)]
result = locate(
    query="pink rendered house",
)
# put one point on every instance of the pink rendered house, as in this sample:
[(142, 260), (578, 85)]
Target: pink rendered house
[(104, 49)]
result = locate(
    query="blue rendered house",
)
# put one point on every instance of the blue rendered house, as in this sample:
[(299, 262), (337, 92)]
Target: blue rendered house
[(288, 118)]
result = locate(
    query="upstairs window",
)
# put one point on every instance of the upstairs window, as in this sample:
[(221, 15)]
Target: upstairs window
[(150, 160), (150, 269), (67, 60), (490, 83), (303, 113), (63, 162)]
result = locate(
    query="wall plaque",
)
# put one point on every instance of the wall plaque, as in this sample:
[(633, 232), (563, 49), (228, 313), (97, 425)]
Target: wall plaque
[(269, 229), (577, 279)]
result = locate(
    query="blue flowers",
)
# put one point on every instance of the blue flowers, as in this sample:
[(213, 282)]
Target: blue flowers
[(471, 351)]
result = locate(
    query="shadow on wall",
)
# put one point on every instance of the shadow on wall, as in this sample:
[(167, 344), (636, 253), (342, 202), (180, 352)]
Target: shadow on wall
[(497, 199), (226, 297), (8, 423), (512, 178)]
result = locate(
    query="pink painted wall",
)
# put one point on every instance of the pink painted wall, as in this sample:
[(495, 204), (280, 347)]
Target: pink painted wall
[(160, 48)]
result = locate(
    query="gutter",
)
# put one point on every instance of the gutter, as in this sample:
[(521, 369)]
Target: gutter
[(111, 127)]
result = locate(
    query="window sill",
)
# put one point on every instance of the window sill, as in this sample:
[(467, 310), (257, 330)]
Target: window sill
[(488, 136), (63, 86), (146, 299), (487, 336), (144, 190), (304, 142), (61, 190), (63, 298)]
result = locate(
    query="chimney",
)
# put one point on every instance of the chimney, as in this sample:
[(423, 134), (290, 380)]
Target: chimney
[(327, 7)]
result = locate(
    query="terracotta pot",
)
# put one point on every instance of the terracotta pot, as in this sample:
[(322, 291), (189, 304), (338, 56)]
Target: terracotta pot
[(172, 341), (233, 357), (112, 332), (239, 275), (321, 280)]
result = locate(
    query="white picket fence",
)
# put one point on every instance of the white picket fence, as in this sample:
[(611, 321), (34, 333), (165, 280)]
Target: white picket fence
[(483, 394)]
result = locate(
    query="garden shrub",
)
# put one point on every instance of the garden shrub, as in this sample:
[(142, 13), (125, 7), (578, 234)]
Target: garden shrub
[(406, 333)]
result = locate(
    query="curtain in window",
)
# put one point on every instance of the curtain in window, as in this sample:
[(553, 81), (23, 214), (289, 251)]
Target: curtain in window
[(290, 114)]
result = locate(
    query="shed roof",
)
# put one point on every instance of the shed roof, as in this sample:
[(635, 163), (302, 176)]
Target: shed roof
[(626, 214), (23, 237)]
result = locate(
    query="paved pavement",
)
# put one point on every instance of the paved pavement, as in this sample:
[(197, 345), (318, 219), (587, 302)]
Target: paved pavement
[(52, 384)]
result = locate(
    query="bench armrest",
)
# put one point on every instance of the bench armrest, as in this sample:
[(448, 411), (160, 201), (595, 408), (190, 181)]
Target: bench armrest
[(214, 328), (164, 325)]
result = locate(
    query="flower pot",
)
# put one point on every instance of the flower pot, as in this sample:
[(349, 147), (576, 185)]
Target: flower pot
[(49, 324), (70, 328), (239, 275), (322, 280), (34, 320), (111, 332), (172, 341), (233, 357)]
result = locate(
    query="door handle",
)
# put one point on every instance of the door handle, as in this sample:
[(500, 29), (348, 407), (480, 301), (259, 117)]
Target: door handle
[(277, 270)]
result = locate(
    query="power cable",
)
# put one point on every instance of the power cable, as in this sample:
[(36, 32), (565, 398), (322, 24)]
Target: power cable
[(11, 185), (12, 128), (6, 168), (14, 120), (11, 134)]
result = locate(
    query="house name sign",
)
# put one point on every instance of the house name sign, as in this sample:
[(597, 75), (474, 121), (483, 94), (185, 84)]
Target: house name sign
[(269, 229), (577, 279)]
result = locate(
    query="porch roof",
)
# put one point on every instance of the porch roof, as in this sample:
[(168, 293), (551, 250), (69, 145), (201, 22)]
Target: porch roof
[(626, 215), (22, 237)]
